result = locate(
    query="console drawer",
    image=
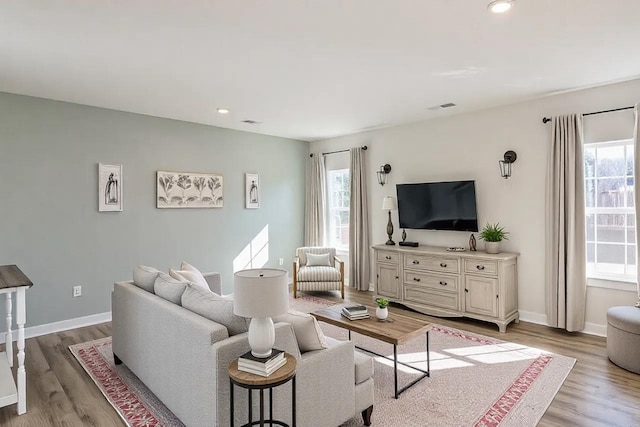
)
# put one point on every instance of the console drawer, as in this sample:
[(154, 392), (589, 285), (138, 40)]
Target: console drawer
[(489, 268), (433, 281), (423, 262), (390, 257), (426, 296)]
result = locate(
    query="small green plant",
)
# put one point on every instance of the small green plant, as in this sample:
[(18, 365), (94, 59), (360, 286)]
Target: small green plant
[(382, 302), (493, 233)]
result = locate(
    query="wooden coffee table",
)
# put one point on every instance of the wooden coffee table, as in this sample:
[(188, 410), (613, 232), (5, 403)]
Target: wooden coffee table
[(396, 330)]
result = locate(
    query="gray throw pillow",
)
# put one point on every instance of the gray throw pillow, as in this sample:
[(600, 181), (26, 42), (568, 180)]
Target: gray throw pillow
[(319, 260), (169, 288), (144, 277), (214, 307)]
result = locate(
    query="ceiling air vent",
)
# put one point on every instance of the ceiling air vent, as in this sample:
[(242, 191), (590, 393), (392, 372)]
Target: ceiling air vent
[(441, 106), (251, 122)]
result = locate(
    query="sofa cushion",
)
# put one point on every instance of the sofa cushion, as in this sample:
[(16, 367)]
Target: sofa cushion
[(169, 288), (214, 307), (307, 330), (144, 277), (314, 260), (194, 277), (364, 367), (318, 274)]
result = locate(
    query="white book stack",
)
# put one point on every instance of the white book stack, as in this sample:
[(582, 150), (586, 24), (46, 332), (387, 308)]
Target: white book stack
[(263, 366), (355, 312)]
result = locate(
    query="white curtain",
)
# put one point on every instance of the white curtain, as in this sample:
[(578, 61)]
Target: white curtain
[(565, 226), (358, 223), (636, 189), (315, 202)]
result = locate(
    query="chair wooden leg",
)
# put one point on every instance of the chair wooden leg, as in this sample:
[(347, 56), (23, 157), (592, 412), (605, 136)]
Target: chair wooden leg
[(366, 415), (295, 288), (342, 279)]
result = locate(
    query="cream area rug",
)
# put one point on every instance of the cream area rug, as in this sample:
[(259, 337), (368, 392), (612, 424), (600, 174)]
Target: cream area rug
[(475, 380)]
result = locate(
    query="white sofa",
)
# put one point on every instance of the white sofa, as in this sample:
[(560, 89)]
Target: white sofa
[(183, 358)]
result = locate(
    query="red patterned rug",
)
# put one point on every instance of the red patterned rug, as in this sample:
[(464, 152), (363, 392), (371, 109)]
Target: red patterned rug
[(475, 381)]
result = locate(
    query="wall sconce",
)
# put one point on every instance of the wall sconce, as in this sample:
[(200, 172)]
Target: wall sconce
[(382, 173), (505, 165)]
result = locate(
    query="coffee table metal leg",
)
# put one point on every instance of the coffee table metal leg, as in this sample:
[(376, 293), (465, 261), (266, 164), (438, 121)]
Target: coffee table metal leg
[(293, 402), (250, 407), (428, 357), (395, 370), (231, 398)]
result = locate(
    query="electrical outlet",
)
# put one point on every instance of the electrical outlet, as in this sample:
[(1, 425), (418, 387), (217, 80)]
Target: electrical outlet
[(281, 261), (77, 291)]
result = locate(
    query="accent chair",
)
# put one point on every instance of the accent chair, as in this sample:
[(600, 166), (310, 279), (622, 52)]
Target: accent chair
[(322, 271)]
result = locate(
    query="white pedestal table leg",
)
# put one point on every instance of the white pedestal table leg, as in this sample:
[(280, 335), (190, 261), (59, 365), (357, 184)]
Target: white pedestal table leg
[(21, 318), (8, 336)]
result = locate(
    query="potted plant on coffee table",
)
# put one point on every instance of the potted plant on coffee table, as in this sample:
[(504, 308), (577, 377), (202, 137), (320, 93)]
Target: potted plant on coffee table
[(382, 312), (493, 234)]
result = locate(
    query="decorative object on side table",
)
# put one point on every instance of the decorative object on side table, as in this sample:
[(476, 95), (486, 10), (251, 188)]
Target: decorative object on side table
[(355, 312), (404, 235), (493, 234), (252, 190), (382, 312), (189, 190), (260, 294), (389, 204), (109, 188), (472, 243)]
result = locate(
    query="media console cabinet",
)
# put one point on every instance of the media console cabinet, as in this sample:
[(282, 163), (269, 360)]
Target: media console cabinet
[(436, 282)]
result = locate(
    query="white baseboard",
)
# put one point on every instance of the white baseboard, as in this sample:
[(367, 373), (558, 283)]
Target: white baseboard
[(532, 317), (63, 325), (595, 329)]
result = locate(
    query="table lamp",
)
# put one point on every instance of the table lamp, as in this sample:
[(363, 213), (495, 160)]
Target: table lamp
[(260, 294), (389, 204)]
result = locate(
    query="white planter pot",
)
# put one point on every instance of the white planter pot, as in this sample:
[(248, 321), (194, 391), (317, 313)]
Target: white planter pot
[(382, 313), (492, 247)]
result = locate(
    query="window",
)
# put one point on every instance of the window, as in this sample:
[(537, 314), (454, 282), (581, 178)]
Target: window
[(610, 213), (339, 196)]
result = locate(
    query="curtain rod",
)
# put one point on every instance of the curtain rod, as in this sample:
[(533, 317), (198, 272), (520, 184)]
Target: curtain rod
[(548, 119), (364, 148)]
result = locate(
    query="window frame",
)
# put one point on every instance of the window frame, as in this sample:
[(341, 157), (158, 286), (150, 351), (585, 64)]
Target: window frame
[(600, 279), (331, 209)]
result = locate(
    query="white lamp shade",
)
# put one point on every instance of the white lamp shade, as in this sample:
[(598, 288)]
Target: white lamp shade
[(389, 203), (260, 292)]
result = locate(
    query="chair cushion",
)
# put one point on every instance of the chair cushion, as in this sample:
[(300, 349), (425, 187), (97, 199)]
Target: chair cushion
[(169, 288), (214, 307), (364, 367), (314, 260), (194, 277), (307, 330), (318, 274), (144, 277)]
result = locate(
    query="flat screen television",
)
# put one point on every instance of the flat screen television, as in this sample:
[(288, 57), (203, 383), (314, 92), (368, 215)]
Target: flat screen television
[(438, 206)]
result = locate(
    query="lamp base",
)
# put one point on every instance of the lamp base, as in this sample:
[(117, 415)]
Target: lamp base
[(261, 336)]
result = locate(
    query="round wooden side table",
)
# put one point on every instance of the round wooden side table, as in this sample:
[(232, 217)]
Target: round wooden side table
[(252, 382)]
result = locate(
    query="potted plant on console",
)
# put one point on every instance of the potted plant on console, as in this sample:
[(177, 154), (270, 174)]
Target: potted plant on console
[(493, 234), (382, 312)]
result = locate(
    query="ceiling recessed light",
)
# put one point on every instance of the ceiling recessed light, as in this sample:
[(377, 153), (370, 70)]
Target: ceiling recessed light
[(500, 6), (223, 110)]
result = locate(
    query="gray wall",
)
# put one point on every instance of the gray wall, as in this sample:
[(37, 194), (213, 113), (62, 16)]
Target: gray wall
[(49, 221)]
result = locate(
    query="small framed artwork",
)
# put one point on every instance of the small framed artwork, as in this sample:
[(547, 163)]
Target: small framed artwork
[(252, 190), (109, 188)]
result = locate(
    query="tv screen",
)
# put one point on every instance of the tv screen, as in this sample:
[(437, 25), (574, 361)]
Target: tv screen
[(438, 206)]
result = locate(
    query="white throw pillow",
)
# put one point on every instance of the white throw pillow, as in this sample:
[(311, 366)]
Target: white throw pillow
[(214, 307), (314, 260), (307, 330), (169, 288), (194, 277), (144, 277)]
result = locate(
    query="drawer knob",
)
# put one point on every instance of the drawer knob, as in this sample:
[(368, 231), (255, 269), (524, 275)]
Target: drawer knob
[(397, 277), (388, 257), (416, 279), (480, 267), (443, 283), (443, 265), (416, 262)]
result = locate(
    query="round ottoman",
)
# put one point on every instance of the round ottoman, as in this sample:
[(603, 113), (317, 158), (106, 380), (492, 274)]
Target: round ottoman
[(623, 337)]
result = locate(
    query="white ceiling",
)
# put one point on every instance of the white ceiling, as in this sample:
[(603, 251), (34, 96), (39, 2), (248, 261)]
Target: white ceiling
[(311, 69)]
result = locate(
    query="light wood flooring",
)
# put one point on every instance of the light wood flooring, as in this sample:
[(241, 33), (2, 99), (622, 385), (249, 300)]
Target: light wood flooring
[(596, 393)]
